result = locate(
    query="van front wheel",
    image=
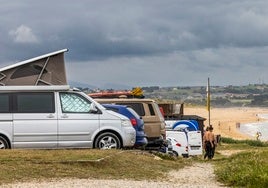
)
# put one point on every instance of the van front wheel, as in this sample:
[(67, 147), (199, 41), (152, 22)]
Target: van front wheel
[(107, 141), (3, 143)]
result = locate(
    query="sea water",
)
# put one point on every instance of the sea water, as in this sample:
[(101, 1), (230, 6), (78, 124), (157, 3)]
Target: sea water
[(252, 128)]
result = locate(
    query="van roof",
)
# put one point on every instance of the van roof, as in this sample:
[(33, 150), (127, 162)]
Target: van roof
[(35, 88)]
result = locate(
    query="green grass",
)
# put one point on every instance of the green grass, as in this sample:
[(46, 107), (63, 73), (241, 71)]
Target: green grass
[(27, 165), (248, 168)]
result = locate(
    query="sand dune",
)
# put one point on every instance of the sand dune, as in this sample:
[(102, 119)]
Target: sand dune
[(226, 120)]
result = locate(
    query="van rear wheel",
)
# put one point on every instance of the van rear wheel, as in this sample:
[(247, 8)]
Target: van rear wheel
[(3, 143), (107, 141)]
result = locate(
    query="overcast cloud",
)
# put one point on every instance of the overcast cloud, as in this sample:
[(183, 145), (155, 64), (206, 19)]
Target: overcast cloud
[(142, 43)]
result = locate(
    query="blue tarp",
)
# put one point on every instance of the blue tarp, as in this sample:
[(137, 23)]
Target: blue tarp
[(191, 125)]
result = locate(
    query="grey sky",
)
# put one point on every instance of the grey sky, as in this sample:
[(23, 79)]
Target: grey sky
[(142, 43)]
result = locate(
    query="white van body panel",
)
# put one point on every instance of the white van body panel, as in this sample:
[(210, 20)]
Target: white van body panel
[(34, 130), (195, 143), (6, 125)]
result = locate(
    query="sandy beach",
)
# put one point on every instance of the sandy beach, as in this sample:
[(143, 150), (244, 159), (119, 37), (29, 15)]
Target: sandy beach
[(226, 120)]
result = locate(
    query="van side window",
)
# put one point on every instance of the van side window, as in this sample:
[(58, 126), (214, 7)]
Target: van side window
[(4, 103), (74, 103), (27, 70), (34, 102), (151, 109)]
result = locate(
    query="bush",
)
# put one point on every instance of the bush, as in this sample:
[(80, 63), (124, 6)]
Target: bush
[(256, 143)]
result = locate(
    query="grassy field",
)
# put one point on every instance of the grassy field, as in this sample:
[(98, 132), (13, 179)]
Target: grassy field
[(27, 165), (247, 168)]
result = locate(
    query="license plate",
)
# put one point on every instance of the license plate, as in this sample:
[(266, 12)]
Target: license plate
[(195, 147)]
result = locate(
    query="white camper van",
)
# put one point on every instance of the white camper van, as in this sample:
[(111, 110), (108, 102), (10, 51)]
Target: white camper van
[(59, 117)]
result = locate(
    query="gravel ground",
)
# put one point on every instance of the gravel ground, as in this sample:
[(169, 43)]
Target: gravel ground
[(199, 175)]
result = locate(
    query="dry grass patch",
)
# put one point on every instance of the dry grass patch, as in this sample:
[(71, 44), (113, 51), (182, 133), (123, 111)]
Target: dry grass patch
[(28, 165)]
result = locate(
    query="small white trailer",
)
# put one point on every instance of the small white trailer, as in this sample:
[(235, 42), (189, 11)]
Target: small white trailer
[(191, 141)]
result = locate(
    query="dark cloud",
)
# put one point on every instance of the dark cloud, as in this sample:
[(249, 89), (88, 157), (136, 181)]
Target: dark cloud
[(187, 39)]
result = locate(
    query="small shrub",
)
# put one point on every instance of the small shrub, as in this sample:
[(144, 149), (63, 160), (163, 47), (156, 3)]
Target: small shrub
[(255, 143), (228, 140), (164, 156)]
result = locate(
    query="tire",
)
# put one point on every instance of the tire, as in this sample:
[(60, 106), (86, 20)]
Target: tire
[(3, 143), (107, 140), (185, 155), (175, 153)]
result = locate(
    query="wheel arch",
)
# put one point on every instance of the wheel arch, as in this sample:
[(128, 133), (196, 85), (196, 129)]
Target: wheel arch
[(7, 139), (108, 131)]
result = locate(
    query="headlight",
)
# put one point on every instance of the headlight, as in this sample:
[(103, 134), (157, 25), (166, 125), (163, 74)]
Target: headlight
[(126, 123)]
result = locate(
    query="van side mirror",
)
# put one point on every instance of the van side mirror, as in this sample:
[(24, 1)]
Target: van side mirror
[(93, 109)]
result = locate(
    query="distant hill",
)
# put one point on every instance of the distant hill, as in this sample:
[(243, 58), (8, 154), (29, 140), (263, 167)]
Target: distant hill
[(81, 85), (116, 86), (106, 86)]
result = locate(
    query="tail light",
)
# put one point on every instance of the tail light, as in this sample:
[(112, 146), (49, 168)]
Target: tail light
[(133, 121), (178, 144)]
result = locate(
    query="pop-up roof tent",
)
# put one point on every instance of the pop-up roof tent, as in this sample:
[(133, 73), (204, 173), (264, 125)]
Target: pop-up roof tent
[(48, 69)]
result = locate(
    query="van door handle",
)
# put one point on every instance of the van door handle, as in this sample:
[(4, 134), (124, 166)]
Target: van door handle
[(50, 116), (64, 116)]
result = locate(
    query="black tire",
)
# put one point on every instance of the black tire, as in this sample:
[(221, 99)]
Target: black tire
[(175, 153), (185, 155), (3, 143), (107, 140)]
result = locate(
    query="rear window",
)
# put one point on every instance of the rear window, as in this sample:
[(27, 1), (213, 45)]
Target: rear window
[(4, 103), (138, 107)]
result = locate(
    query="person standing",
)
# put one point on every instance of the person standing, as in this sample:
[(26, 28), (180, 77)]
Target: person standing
[(205, 138), (209, 143), (258, 135)]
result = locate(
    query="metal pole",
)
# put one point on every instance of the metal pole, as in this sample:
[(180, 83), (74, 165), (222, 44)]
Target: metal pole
[(208, 101)]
